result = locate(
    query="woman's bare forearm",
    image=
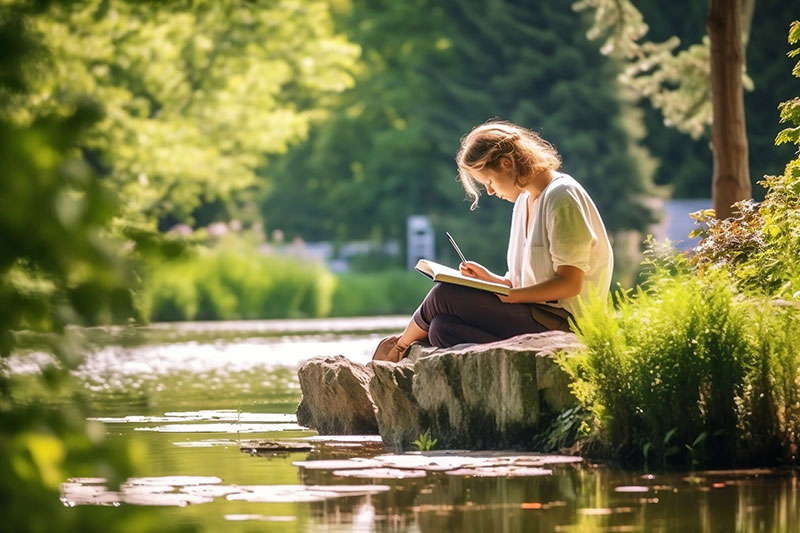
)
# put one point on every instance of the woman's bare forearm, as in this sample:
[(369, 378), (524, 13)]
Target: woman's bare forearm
[(567, 283)]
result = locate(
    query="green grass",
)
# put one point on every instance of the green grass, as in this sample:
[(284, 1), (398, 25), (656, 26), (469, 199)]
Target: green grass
[(687, 371)]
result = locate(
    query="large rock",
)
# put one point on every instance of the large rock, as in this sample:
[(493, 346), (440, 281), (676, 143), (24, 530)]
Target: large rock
[(392, 391), (336, 399), (478, 396)]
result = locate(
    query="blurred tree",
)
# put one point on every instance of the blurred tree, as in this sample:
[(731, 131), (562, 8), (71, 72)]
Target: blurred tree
[(388, 151), (195, 93), (684, 161), (692, 85), (59, 267)]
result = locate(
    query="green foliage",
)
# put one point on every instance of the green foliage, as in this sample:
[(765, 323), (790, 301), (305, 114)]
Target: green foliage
[(195, 93), (58, 267), (425, 443), (379, 293), (760, 244), (233, 280), (387, 151), (684, 162), (564, 430), (677, 82), (686, 356), (700, 365)]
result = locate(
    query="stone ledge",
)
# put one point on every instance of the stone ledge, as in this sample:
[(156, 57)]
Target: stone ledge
[(480, 396)]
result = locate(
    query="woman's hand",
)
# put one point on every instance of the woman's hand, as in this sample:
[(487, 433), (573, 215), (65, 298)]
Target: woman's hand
[(476, 270)]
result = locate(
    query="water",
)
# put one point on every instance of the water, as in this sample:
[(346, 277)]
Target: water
[(200, 398)]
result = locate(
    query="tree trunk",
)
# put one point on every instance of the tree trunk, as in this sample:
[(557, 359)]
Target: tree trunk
[(731, 178)]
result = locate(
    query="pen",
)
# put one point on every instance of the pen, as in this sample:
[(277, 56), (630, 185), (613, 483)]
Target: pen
[(458, 250)]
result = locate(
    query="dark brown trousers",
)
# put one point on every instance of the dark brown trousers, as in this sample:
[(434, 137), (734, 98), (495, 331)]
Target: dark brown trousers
[(452, 314)]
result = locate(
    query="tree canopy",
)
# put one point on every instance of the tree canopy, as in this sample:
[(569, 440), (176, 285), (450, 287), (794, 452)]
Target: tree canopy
[(671, 72), (388, 149), (194, 94)]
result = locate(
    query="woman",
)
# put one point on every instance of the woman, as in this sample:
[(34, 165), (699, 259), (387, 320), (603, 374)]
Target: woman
[(558, 250)]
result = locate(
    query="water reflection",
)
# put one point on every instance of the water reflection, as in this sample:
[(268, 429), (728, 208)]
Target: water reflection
[(250, 383), (573, 500)]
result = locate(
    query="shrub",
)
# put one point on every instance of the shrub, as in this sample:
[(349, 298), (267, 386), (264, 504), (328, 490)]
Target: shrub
[(686, 365), (235, 281), (379, 293)]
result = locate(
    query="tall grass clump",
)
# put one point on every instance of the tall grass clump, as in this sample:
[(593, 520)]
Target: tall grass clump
[(688, 371), (233, 280)]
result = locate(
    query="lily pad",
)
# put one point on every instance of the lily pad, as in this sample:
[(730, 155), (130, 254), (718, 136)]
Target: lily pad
[(231, 415), (381, 473), (501, 471), (209, 443), (339, 464), (158, 491), (87, 480), (258, 517), (141, 419), (431, 464), (354, 439), (168, 499), (222, 427), (301, 493), (73, 494), (211, 491), (174, 481), (632, 488)]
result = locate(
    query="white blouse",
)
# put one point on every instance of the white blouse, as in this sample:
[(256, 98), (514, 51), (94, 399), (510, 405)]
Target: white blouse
[(564, 229)]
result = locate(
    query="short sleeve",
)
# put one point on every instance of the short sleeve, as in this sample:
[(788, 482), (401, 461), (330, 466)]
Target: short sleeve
[(571, 234)]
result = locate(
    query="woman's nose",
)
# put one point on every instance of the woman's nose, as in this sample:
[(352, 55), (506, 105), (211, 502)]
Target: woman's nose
[(489, 190)]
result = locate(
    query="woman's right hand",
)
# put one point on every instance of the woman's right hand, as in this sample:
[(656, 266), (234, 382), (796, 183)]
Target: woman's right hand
[(476, 270)]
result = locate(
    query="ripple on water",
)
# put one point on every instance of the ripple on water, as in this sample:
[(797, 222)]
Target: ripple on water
[(220, 357)]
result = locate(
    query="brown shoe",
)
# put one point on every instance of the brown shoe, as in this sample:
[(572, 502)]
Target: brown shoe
[(389, 350)]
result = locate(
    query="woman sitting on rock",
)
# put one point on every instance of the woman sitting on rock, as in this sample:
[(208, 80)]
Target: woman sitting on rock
[(558, 249)]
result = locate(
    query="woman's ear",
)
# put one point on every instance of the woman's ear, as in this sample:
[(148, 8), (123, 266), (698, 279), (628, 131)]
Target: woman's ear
[(505, 163)]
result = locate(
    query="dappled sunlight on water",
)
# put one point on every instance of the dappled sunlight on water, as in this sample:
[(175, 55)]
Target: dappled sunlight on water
[(214, 422)]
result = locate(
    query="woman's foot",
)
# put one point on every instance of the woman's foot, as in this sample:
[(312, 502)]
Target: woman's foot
[(389, 350)]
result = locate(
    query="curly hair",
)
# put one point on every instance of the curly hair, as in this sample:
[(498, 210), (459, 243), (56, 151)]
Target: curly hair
[(488, 143)]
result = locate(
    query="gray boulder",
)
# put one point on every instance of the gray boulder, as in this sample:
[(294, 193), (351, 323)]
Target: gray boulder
[(336, 399), (392, 390), (480, 396)]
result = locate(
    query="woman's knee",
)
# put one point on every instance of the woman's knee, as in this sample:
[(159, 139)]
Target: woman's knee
[(444, 331), (446, 297)]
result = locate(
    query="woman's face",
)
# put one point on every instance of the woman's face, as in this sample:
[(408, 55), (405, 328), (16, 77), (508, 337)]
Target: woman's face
[(497, 183)]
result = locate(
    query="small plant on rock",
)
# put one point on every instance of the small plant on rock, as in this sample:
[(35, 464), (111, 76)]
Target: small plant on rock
[(425, 443)]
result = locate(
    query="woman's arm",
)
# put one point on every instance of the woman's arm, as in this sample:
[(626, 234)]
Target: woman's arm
[(568, 282), (478, 271)]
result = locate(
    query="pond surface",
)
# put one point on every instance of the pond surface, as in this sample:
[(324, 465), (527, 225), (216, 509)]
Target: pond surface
[(212, 407)]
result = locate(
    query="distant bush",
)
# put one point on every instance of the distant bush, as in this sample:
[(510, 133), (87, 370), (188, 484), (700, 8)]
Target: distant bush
[(379, 293), (235, 281)]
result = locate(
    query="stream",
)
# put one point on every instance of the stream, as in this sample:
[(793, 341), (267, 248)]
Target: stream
[(211, 406)]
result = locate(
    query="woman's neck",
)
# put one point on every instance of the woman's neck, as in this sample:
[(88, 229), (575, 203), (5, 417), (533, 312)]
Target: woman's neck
[(538, 183)]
